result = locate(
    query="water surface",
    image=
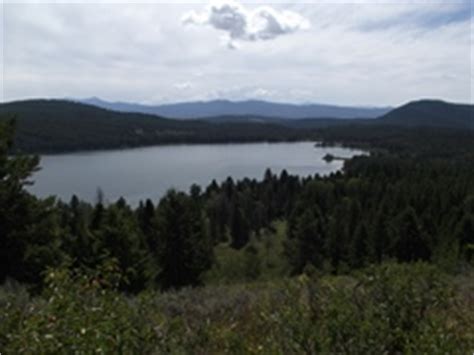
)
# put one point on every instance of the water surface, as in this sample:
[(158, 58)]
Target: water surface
[(141, 173)]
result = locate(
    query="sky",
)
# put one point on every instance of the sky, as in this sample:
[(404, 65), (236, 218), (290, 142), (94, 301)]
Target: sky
[(362, 53)]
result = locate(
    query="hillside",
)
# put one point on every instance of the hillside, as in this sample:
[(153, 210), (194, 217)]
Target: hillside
[(431, 113), (189, 110), (376, 258), (59, 125), (423, 113)]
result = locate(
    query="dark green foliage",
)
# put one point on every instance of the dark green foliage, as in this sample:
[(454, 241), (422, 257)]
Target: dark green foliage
[(384, 206), (359, 247), (59, 125), (306, 244), (420, 142), (239, 228), (120, 238), (184, 248), (29, 231), (409, 242), (406, 202)]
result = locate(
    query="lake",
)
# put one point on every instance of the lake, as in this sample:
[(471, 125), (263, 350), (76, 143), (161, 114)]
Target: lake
[(137, 174)]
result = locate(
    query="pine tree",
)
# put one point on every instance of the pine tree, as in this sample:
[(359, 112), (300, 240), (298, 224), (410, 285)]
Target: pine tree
[(307, 242), (358, 250), (239, 228), (410, 243), (29, 231), (184, 249), (379, 241), (120, 238)]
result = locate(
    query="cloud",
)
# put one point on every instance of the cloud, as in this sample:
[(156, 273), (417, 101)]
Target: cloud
[(183, 86), (353, 54), (259, 24)]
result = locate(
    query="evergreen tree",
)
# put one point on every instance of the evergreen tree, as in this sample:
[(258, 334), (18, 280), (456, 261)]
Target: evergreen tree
[(358, 250), (307, 242), (239, 228), (120, 238), (184, 249), (379, 240), (145, 215), (410, 243), (29, 231)]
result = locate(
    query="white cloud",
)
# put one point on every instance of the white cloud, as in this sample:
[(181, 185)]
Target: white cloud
[(240, 23), (183, 86)]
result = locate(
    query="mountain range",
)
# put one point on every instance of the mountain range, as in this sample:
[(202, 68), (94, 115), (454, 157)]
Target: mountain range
[(200, 109)]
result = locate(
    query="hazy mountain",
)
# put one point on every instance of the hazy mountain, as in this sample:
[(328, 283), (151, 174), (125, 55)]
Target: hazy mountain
[(189, 110), (431, 113)]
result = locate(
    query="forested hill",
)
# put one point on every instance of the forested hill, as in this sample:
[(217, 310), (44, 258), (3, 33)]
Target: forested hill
[(59, 125), (431, 113)]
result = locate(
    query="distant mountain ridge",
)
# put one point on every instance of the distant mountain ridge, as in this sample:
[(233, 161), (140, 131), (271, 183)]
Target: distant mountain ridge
[(200, 109)]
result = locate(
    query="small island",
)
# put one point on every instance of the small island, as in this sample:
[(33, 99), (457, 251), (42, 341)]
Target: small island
[(328, 158)]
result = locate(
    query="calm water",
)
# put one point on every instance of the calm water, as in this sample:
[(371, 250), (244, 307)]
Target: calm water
[(137, 174)]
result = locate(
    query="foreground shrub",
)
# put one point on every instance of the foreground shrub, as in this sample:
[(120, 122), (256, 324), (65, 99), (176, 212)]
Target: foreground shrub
[(77, 313), (394, 308), (389, 309)]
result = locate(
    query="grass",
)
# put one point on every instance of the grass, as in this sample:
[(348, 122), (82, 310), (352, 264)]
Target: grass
[(261, 260)]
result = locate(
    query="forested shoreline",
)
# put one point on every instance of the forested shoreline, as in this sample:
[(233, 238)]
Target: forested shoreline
[(58, 126), (403, 216)]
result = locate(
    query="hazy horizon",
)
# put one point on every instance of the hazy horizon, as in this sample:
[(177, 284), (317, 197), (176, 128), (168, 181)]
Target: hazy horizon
[(360, 54)]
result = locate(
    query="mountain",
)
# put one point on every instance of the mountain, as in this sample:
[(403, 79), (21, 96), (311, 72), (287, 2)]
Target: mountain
[(189, 110), (431, 113), (61, 125)]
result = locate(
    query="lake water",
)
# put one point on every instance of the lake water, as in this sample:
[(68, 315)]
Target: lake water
[(141, 173)]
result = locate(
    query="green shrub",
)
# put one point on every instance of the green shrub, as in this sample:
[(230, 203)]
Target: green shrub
[(77, 313), (388, 309)]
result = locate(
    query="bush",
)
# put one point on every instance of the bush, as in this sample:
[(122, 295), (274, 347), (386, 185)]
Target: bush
[(77, 313), (388, 309)]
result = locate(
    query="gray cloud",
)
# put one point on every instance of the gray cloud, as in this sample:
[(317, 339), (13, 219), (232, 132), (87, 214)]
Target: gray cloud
[(142, 53), (240, 23)]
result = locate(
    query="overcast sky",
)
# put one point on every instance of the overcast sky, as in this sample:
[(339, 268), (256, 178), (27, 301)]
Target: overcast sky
[(366, 53)]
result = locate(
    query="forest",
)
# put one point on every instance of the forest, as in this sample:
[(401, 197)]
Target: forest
[(376, 258), (54, 126)]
